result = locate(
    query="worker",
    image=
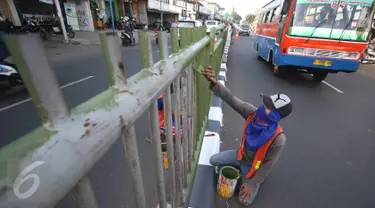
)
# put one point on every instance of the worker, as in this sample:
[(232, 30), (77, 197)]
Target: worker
[(263, 139)]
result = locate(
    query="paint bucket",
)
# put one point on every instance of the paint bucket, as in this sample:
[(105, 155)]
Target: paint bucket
[(228, 178), (165, 156)]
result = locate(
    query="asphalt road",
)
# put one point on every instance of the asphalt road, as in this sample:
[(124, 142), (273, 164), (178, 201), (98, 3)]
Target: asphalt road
[(82, 74), (328, 160)]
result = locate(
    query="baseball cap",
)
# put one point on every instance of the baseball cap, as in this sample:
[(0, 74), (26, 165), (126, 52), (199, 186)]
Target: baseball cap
[(278, 102)]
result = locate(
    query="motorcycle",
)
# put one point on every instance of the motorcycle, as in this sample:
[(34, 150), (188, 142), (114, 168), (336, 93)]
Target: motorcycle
[(369, 55), (127, 39), (55, 29), (29, 25), (9, 76)]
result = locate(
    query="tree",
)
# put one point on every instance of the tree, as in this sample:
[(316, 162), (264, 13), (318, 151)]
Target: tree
[(250, 18)]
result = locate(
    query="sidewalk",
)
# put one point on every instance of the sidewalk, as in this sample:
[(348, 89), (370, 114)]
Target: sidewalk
[(92, 38)]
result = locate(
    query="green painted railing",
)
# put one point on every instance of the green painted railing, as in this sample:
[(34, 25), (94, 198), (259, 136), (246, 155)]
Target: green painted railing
[(69, 143)]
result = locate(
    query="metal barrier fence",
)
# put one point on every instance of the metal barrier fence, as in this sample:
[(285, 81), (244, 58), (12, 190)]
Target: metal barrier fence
[(40, 168)]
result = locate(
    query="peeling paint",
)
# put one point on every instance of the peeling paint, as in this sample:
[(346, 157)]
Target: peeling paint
[(126, 91), (13, 154), (144, 73), (122, 70), (104, 100)]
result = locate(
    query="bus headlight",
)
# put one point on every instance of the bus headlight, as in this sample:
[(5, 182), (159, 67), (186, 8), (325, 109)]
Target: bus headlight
[(296, 50), (351, 55)]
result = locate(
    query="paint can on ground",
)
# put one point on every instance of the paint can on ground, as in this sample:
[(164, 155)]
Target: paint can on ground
[(165, 156), (228, 178)]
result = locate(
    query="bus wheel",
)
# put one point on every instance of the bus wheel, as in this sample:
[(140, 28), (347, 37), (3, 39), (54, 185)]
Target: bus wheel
[(319, 76)]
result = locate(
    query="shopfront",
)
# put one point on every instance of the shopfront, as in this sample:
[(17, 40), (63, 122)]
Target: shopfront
[(203, 12), (35, 8), (166, 8), (77, 13), (84, 15)]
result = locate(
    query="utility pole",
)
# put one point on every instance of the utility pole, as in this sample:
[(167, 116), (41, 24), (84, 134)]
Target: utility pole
[(112, 17), (62, 23), (161, 12), (185, 8), (196, 9)]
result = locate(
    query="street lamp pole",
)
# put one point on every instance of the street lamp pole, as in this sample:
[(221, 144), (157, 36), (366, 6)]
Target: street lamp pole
[(161, 12), (62, 23), (196, 9), (185, 8), (112, 17)]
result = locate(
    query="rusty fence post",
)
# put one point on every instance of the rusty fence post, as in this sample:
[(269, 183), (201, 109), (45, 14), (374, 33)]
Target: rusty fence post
[(111, 46), (85, 194), (163, 47), (147, 62), (185, 107), (43, 87), (40, 79)]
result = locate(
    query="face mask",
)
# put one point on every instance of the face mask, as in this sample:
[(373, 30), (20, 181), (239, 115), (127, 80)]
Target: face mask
[(261, 128), (262, 119)]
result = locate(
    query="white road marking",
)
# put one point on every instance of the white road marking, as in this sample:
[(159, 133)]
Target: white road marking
[(76, 82), (333, 87), (14, 104), (29, 99)]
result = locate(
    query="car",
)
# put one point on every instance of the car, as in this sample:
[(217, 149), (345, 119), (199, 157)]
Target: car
[(244, 30), (182, 24), (211, 24)]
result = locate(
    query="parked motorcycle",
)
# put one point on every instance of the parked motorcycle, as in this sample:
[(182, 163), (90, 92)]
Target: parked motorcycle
[(126, 39), (29, 25), (9, 76), (53, 28)]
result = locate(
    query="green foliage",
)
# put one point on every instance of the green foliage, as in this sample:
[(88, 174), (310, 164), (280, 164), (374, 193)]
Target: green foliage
[(250, 18)]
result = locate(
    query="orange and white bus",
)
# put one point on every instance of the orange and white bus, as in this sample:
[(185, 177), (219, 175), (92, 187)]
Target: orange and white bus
[(314, 36)]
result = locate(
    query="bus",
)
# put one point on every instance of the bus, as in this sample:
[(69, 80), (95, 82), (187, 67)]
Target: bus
[(314, 36)]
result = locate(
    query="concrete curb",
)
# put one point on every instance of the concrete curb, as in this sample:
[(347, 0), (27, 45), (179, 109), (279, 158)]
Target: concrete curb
[(204, 187)]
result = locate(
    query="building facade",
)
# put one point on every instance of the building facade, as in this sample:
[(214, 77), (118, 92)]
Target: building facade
[(83, 15)]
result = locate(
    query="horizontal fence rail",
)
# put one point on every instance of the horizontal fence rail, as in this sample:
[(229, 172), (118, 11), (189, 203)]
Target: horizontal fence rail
[(40, 168)]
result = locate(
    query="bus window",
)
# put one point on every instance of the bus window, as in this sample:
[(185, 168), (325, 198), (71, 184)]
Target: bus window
[(261, 18), (276, 14), (267, 17), (319, 20)]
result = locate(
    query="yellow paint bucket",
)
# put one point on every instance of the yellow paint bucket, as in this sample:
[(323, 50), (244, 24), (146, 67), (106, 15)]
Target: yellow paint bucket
[(165, 156), (228, 178)]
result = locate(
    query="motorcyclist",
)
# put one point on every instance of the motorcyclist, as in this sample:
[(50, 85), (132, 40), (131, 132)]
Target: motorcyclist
[(233, 34), (132, 24), (129, 30), (121, 23)]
